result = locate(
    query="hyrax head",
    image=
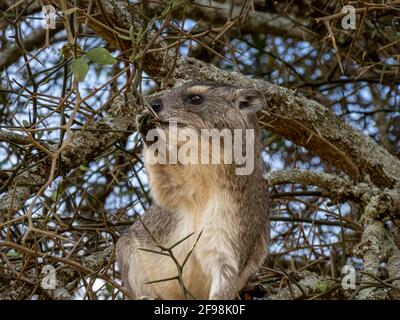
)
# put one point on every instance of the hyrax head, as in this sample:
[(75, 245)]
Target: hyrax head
[(207, 105)]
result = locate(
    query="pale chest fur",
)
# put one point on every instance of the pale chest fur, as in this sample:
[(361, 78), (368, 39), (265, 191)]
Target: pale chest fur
[(215, 230), (201, 205), (216, 242)]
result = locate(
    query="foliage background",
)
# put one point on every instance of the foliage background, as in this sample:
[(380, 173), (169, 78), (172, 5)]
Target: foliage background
[(70, 169)]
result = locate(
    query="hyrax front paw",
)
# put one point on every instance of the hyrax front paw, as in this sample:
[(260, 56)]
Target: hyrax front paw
[(144, 123)]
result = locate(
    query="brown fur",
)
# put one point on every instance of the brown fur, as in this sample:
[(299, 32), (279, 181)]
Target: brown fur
[(231, 211)]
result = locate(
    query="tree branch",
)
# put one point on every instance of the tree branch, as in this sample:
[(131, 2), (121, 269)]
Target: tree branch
[(84, 147), (35, 40)]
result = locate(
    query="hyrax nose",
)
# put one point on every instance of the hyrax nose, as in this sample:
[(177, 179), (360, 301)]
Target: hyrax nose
[(156, 105)]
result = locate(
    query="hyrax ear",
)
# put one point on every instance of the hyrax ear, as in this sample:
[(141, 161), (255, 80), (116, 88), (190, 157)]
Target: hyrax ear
[(250, 100)]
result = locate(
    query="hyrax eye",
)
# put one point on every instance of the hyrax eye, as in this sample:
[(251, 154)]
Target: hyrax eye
[(195, 99)]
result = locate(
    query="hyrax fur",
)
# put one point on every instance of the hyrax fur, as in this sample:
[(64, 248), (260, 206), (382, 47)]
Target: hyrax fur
[(228, 211)]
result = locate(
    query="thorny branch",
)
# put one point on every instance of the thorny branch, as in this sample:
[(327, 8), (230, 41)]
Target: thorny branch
[(75, 154)]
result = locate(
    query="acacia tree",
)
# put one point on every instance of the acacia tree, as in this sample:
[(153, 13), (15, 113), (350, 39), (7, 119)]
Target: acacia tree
[(70, 169)]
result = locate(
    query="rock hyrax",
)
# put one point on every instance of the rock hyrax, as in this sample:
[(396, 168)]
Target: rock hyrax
[(228, 210)]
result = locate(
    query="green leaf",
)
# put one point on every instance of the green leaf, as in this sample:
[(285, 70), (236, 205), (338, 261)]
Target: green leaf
[(124, 37), (171, 6), (100, 55), (79, 69), (109, 288), (70, 11), (39, 135), (54, 195), (322, 286), (8, 14), (26, 123), (12, 254), (132, 31), (136, 139)]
